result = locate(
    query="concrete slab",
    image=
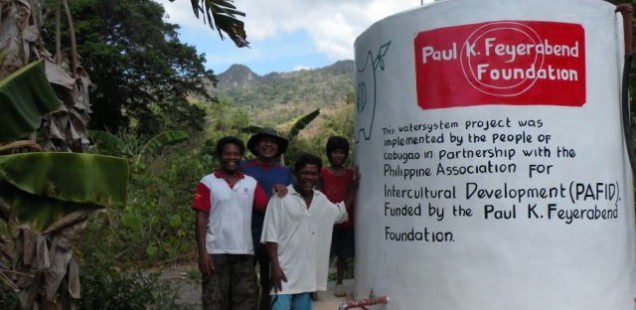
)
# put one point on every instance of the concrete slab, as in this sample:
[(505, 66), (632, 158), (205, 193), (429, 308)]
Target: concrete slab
[(327, 301)]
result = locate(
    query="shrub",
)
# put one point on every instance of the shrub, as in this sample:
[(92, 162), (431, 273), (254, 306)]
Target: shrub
[(8, 299), (109, 288)]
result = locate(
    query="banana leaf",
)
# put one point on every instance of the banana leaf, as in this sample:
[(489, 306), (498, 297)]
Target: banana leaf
[(41, 188), (106, 141), (25, 96), (159, 141), (302, 123)]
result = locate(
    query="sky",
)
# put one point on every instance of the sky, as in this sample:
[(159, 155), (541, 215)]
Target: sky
[(285, 35)]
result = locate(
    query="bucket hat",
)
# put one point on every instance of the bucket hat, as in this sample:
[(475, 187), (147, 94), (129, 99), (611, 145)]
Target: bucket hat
[(270, 133)]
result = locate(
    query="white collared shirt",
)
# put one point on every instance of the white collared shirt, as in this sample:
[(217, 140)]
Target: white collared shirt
[(230, 215), (303, 236)]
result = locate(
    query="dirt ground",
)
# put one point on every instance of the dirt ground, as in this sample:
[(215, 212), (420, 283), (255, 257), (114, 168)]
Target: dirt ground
[(184, 279)]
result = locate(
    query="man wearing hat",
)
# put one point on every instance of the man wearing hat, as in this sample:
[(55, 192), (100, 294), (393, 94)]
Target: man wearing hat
[(267, 146)]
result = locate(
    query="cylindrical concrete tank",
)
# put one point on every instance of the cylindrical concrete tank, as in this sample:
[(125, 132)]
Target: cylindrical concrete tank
[(494, 171)]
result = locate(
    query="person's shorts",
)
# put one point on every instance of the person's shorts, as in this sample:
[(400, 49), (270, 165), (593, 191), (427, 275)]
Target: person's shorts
[(342, 243), (301, 301)]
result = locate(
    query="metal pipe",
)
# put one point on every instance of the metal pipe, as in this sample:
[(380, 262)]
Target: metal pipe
[(628, 12), (364, 302)]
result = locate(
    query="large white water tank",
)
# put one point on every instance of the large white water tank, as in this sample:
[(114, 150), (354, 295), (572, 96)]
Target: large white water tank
[(494, 171)]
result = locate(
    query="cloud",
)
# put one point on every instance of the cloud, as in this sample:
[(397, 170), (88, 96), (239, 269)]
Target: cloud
[(301, 67), (332, 25)]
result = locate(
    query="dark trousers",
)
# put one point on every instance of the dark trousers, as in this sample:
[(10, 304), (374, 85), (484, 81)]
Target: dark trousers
[(262, 259), (232, 285)]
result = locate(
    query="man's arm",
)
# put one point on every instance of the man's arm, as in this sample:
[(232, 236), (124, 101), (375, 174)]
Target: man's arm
[(343, 214), (280, 190), (206, 266), (270, 238), (201, 204), (277, 272)]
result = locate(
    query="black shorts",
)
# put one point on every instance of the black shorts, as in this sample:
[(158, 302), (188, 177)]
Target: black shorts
[(343, 243)]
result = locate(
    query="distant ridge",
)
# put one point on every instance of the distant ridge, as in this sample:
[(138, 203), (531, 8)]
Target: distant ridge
[(340, 67), (241, 76), (278, 97)]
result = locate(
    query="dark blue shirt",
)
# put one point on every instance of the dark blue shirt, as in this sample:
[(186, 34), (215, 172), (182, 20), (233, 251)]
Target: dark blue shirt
[(267, 175)]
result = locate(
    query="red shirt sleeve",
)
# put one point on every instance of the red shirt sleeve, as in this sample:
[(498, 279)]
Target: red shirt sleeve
[(260, 199), (201, 200)]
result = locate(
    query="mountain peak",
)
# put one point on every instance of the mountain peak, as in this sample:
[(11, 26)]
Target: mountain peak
[(237, 76)]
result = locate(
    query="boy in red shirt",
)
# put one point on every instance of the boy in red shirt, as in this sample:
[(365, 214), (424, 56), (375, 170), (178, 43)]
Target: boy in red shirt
[(334, 182)]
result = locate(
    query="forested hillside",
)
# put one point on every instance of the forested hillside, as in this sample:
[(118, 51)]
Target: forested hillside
[(277, 98)]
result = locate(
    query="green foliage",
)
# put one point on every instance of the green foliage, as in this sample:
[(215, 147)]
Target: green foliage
[(157, 142), (160, 220), (341, 122), (9, 299), (348, 274), (107, 143), (105, 287), (26, 95), (142, 72), (337, 121), (223, 119), (36, 185)]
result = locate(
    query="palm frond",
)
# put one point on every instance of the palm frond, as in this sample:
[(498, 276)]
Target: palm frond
[(222, 15)]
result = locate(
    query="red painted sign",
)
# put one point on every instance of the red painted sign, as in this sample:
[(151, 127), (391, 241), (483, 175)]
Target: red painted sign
[(504, 62)]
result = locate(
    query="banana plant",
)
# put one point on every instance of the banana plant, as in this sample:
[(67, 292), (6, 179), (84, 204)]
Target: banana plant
[(46, 198), (108, 142), (301, 123), (63, 129), (295, 129)]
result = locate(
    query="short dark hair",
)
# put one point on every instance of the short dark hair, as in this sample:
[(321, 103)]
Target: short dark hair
[(337, 143), (304, 159), (229, 140)]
